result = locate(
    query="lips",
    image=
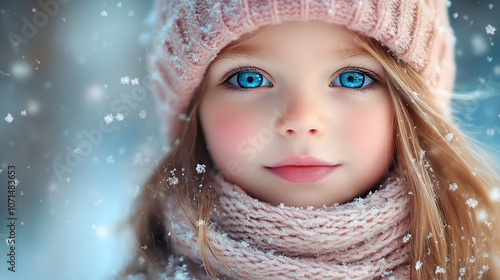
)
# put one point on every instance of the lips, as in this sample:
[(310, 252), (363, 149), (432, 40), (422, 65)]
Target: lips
[(302, 169)]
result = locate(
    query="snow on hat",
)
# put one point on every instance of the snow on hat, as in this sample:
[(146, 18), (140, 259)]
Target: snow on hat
[(190, 33)]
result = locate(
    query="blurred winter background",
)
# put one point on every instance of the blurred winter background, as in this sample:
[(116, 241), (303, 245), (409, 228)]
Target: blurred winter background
[(68, 69)]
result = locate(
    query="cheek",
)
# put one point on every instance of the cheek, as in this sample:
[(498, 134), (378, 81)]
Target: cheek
[(370, 134), (225, 129)]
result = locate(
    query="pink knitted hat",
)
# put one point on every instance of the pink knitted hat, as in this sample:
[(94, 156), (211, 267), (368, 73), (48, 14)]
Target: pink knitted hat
[(190, 33)]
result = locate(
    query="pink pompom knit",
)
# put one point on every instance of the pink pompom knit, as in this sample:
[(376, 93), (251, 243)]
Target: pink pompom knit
[(190, 33), (364, 239)]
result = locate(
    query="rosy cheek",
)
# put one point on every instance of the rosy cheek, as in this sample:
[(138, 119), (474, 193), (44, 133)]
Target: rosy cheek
[(227, 131), (370, 133), (230, 130)]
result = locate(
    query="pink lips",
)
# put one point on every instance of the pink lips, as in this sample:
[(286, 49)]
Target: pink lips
[(302, 169)]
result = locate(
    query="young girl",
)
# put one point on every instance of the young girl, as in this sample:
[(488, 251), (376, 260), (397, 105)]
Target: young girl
[(312, 140)]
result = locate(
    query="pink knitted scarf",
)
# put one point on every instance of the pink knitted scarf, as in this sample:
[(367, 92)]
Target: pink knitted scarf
[(363, 239)]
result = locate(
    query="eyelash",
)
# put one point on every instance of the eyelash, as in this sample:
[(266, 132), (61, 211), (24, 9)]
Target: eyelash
[(237, 70), (376, 79), (372, 75)]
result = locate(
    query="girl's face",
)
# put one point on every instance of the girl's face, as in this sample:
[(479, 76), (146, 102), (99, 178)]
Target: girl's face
[(298, 113)]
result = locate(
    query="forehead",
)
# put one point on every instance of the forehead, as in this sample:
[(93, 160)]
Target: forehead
[(287, 40)]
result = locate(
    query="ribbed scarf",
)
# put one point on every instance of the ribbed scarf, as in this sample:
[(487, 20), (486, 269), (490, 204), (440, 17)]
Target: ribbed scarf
[(364, 239)]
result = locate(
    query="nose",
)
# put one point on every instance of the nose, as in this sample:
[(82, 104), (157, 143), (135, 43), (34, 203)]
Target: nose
[(301, 117)]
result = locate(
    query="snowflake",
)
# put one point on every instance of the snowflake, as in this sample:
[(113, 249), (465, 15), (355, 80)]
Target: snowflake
[(108, 118), (110, 160), (449, 137), (142, 114), (406, 238), (104, 14), (491, 6), (173, 181), (440, 270), (418, 265), (495, 194), (453, 187), (130, 13), (462, 271), (471, 202), (125, 80), (119, 5), (23, 113), (119, 117), (200, 168), (455, 15), (200, 223), (489, 58), (134, 81), (490, 29), (422, 154), (9, 118)]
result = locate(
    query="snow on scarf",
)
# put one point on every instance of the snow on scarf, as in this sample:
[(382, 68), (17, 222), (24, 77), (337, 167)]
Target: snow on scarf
[(363, 239)]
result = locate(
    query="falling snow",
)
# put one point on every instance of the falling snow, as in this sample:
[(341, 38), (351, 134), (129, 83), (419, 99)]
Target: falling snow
[(200, 168), (440, 270), (449, 137), (108, 118), (110, 160), (462, 271), (119, 117), (104, 14), (453, 187), (406, 238), (418, 265), (173, 181), (471, 202), (491, 6), (495, 194), (142, 114), (490, 29), (455, 15), (23, 113), (125, 80), (9, 118)]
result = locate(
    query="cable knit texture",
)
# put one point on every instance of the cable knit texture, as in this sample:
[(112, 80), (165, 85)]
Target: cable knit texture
[(190, 33), (364, 239)]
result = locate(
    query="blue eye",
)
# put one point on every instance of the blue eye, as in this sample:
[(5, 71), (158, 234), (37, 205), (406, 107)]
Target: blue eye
[(352, 79), (249, 80)]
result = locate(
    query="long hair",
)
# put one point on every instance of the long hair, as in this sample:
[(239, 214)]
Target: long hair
[(452, 216), (453, 223)]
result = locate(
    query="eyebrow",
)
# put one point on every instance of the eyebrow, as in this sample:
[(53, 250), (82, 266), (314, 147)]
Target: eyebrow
[(252, 52)]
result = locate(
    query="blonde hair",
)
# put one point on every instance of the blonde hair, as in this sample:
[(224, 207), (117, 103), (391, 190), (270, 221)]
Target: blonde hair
[(452, 237)]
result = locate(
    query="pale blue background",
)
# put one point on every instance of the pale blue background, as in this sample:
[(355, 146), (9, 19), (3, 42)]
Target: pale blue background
[(68, 78)]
